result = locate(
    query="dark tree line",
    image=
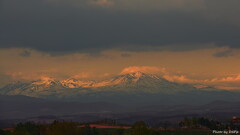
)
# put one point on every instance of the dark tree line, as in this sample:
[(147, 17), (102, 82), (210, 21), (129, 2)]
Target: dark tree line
[(72, 128), (201, 123), (138, 128)]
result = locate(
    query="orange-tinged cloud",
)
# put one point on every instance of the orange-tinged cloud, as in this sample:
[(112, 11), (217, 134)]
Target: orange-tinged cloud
[(14, 75), (178, 78), (228, 82), (83, 75), (40, 75), (145, 69), (44, 80), (235, 78)]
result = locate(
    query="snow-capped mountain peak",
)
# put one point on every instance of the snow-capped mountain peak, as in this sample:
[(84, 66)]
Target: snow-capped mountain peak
[(75, 83), (125, 79), (44, 84), (44, 81), (137, 75), (134, 80)]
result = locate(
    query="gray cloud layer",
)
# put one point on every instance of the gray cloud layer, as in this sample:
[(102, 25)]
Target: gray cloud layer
[(65, 26)]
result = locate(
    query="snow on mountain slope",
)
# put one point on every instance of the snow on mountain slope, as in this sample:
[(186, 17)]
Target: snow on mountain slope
[(44, 86), (75, 83), (128, 80), (139, 81)]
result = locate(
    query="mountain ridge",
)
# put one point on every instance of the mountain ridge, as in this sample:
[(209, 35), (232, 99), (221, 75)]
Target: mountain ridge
[(137, 81)]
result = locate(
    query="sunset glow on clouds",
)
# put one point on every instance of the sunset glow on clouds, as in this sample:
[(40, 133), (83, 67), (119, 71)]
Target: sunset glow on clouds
[(192, 67), (145, 69), (235, 78)]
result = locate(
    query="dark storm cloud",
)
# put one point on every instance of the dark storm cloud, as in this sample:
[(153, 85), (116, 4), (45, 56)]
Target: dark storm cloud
[(55, 28)]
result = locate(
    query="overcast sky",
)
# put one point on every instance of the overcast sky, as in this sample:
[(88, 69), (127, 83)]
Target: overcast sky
[(193, 40)]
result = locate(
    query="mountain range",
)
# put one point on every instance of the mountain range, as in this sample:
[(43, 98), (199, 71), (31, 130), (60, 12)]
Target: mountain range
[(131, 88), (132, 82)]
